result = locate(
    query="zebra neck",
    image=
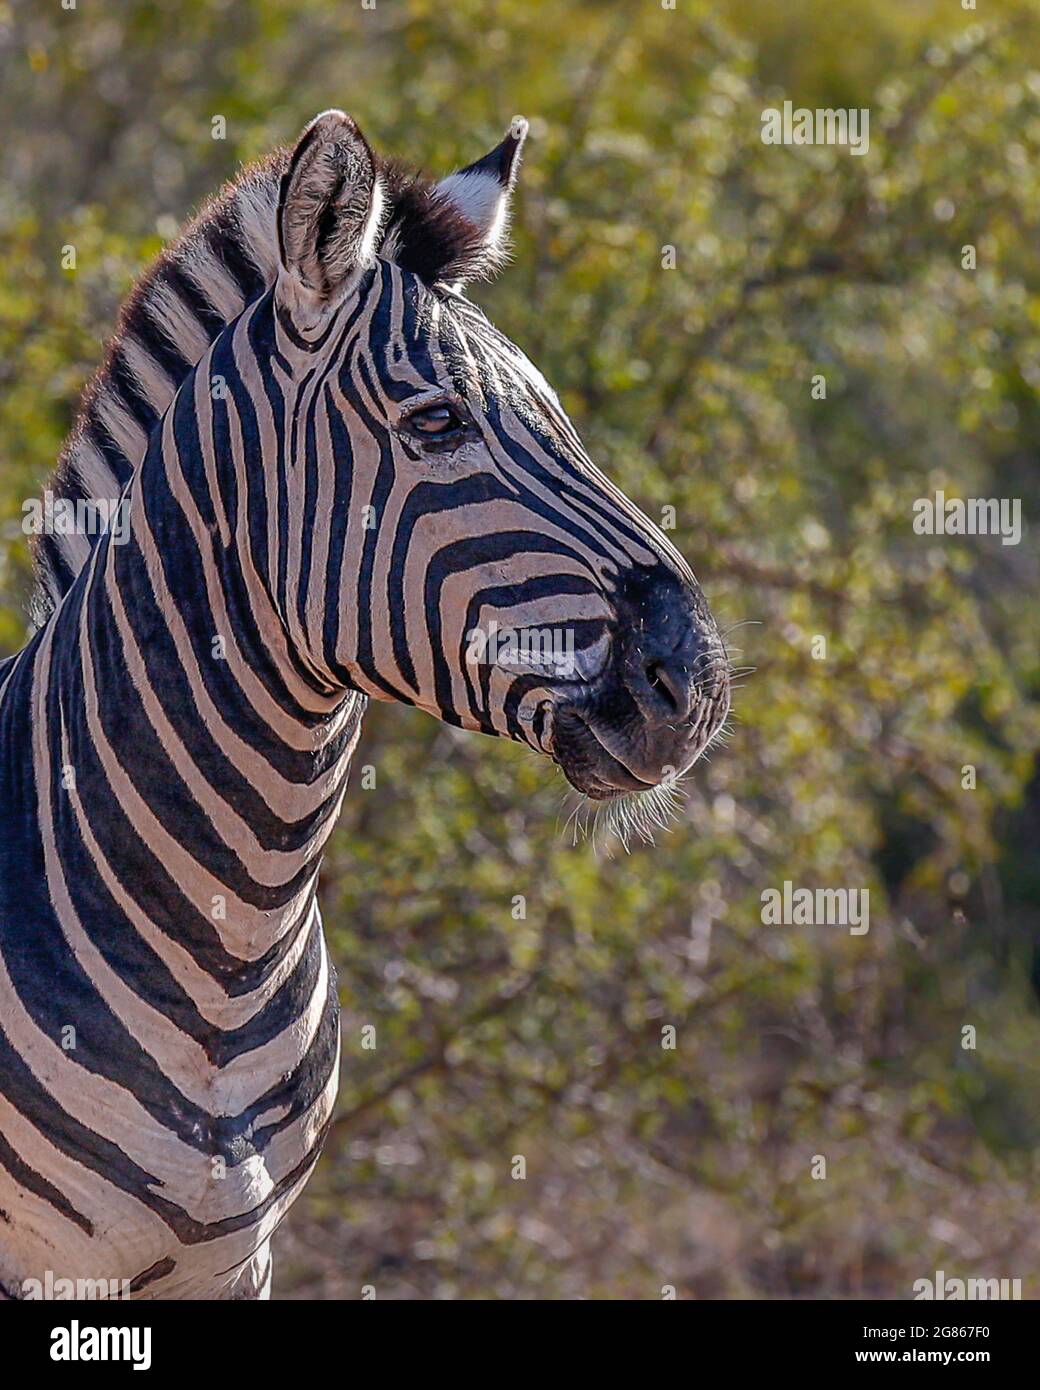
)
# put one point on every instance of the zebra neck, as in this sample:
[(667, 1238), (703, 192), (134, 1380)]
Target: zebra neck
[(194, 768)]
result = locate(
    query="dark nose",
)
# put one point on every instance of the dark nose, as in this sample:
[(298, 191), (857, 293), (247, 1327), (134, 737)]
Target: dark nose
[(670, 657)]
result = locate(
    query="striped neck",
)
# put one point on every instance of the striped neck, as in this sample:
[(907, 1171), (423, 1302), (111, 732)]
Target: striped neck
[(192, 752)]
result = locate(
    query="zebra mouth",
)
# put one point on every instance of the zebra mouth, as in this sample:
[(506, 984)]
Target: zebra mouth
[(588, 764), (607, 747)]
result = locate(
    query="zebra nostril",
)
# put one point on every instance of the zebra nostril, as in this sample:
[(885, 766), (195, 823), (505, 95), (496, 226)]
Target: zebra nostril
[(670, 682)]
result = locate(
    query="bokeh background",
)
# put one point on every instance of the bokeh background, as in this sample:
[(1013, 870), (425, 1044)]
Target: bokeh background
[(496, 1037)]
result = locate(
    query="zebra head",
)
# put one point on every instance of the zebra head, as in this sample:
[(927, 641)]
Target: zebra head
[(448, 542)]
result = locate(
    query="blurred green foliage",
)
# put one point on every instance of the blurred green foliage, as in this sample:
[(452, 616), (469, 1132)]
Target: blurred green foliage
[(542, 1037)]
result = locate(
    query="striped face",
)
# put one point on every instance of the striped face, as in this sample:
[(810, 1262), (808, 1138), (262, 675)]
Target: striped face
[(448, 542)]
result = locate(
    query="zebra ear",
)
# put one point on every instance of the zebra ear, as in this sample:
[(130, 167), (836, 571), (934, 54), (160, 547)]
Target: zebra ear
[(481, 194), (330, 206)]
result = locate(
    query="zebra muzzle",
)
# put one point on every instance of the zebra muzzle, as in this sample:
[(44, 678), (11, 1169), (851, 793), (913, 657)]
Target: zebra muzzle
[(660, 700)]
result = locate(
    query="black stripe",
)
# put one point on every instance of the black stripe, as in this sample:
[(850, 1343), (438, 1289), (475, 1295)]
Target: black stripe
[(129, 393), (188, 290), (33, 1182), (227, 241)]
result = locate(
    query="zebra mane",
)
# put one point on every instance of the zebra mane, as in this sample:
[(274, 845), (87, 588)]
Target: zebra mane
[(224, 259)]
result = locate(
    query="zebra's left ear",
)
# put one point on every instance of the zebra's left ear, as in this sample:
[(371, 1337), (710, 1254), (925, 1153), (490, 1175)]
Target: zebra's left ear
[(329, 209), (481, 194)]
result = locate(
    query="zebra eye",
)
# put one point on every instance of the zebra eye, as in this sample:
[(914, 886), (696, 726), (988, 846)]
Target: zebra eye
[(436, 421)]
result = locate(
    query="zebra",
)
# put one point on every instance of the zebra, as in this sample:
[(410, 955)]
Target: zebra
[(333, 471)]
